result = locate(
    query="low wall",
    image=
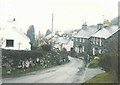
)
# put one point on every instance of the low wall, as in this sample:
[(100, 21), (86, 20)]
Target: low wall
[(13, 60)]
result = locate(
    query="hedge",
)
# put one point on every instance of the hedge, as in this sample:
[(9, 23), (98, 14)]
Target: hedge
[(13, 60)]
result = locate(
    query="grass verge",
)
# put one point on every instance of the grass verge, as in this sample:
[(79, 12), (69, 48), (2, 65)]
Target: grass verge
[(101, 78)]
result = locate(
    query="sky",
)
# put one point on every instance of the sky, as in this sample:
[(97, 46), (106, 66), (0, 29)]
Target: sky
[(68, 14)]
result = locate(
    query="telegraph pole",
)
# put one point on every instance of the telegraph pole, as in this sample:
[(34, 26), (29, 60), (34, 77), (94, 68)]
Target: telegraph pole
[(103, 16), (52, 24), (52, 28), (1, 64)]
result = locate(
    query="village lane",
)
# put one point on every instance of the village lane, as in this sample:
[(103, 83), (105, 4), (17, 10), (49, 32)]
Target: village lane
[(67, 73)]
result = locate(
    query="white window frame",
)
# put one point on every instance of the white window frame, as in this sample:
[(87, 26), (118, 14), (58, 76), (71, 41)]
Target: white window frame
[(83, 40), (93, 51), (80, 39), (80, 50), (96, 41), (93, 40), (100, 42), (100, 51), (83, 49), (77, 49)]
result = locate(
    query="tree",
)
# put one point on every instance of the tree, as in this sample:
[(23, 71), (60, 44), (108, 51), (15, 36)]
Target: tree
[(31, 34), (40, 40), (114, 21), (48, 32)]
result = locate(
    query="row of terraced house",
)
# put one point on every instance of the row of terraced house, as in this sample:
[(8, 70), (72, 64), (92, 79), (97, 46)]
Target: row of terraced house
[(93, 40)]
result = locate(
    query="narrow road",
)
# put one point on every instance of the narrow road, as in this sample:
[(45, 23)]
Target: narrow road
[(68, 73)]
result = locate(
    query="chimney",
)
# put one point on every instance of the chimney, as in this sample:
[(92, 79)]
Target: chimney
[(13, 19), (99, 26), (106, 23), (84, 26)]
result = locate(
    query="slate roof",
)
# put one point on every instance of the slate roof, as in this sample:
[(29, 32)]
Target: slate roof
[(62, 40), (86, 33), (10, 31), (106, 32)]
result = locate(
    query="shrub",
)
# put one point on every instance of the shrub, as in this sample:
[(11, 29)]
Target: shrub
[(94, 63), (105, 63), (46, 47)]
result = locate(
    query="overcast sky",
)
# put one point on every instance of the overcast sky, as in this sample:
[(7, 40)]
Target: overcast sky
[(68, 14)]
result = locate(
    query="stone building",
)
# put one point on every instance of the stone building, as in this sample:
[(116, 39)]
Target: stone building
[(81, 39), (100, 39)]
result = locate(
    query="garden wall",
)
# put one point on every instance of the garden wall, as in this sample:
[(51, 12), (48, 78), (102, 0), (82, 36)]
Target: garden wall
[(20, 60)]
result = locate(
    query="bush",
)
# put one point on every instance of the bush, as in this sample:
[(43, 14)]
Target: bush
[(106, 63), (46, 47), (94, 63)]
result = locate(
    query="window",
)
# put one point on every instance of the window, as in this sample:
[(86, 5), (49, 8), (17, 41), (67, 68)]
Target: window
[(82, 48), (94, 40), (77, 49), (100, 51), (97, 41), (76, 39), (83, 40), (100, 42), (72, 39), (80, 39), (9, 43), (91, 40), (93, 51)]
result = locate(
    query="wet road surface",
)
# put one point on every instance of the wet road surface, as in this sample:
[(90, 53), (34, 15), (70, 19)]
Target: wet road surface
[(67, 73)]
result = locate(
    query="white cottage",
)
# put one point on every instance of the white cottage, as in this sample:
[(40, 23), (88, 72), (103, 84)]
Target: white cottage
[(12, 38)]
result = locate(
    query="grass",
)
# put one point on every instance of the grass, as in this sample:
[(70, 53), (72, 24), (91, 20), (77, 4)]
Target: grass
[(101, 78), (0, 72)]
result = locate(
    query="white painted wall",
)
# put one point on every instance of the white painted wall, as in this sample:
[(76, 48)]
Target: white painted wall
[(13, 33), (69, 45)]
